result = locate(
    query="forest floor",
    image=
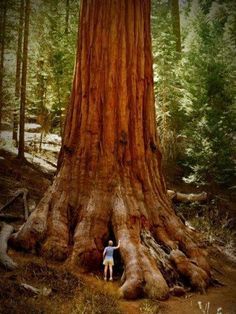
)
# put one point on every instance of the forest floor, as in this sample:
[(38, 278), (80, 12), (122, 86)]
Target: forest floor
[(64, 291)]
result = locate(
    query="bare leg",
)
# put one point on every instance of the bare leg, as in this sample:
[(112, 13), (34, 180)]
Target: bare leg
[(105, 272), (110, 268)]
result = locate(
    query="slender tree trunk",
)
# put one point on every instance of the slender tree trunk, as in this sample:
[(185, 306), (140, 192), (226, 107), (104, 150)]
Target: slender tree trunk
[(19, 50), (109, 178), (2, 34), (40, 141), (23, 81), (18, 69), (176, 23), (67, 17), (60, 106)]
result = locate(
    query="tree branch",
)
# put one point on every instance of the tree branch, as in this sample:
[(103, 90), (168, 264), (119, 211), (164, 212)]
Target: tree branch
[(182, 197), (24, 193)]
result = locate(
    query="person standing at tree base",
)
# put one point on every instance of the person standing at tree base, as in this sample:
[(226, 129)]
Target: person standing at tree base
[(108, 260)]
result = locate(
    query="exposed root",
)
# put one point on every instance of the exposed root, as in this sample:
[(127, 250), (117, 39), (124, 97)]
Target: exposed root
[(182, 236), (91, 232), (161, 258), (34, 230), (5, 260), (197, 255), (155, 286), (133, 286), (56, 244), (141, 272), (156, 257), (197, 276)]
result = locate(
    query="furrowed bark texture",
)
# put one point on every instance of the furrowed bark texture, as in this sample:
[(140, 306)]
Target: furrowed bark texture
[(109, 175)]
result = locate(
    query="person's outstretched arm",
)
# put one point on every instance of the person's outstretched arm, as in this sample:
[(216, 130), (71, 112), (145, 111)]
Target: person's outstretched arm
[(117, 247)]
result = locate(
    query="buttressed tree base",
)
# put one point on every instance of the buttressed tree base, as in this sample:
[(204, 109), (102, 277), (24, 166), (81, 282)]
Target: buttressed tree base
[(109, 175)]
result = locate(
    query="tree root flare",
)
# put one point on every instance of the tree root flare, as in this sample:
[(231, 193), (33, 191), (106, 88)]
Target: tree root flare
[(154, 260), (197, 276)]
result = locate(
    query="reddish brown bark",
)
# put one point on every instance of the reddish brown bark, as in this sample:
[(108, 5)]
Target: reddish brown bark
[(109, 175)]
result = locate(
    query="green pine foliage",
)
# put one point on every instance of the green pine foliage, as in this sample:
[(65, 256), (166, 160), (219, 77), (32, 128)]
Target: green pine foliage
[(208, 69), (168, 88), (10, 43), (51, 58), (195, 91), (52, 61)]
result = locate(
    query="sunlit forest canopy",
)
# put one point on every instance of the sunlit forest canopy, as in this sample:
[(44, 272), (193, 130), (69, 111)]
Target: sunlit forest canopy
[(194, 74)]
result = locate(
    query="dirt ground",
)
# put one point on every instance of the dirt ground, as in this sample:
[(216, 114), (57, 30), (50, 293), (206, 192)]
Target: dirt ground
[(72, 292), (223, 297)]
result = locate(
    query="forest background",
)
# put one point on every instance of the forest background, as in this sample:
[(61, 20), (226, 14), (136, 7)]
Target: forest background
[(194, 79)]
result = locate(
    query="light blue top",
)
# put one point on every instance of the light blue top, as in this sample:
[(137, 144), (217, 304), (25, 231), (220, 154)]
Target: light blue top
[(109, 252)]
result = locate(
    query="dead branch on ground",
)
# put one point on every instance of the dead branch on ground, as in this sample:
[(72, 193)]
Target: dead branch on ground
[(5, 234)]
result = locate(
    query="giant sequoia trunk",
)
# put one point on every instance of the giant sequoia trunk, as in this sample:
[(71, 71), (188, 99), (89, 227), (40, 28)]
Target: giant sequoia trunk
[(109, 178)]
